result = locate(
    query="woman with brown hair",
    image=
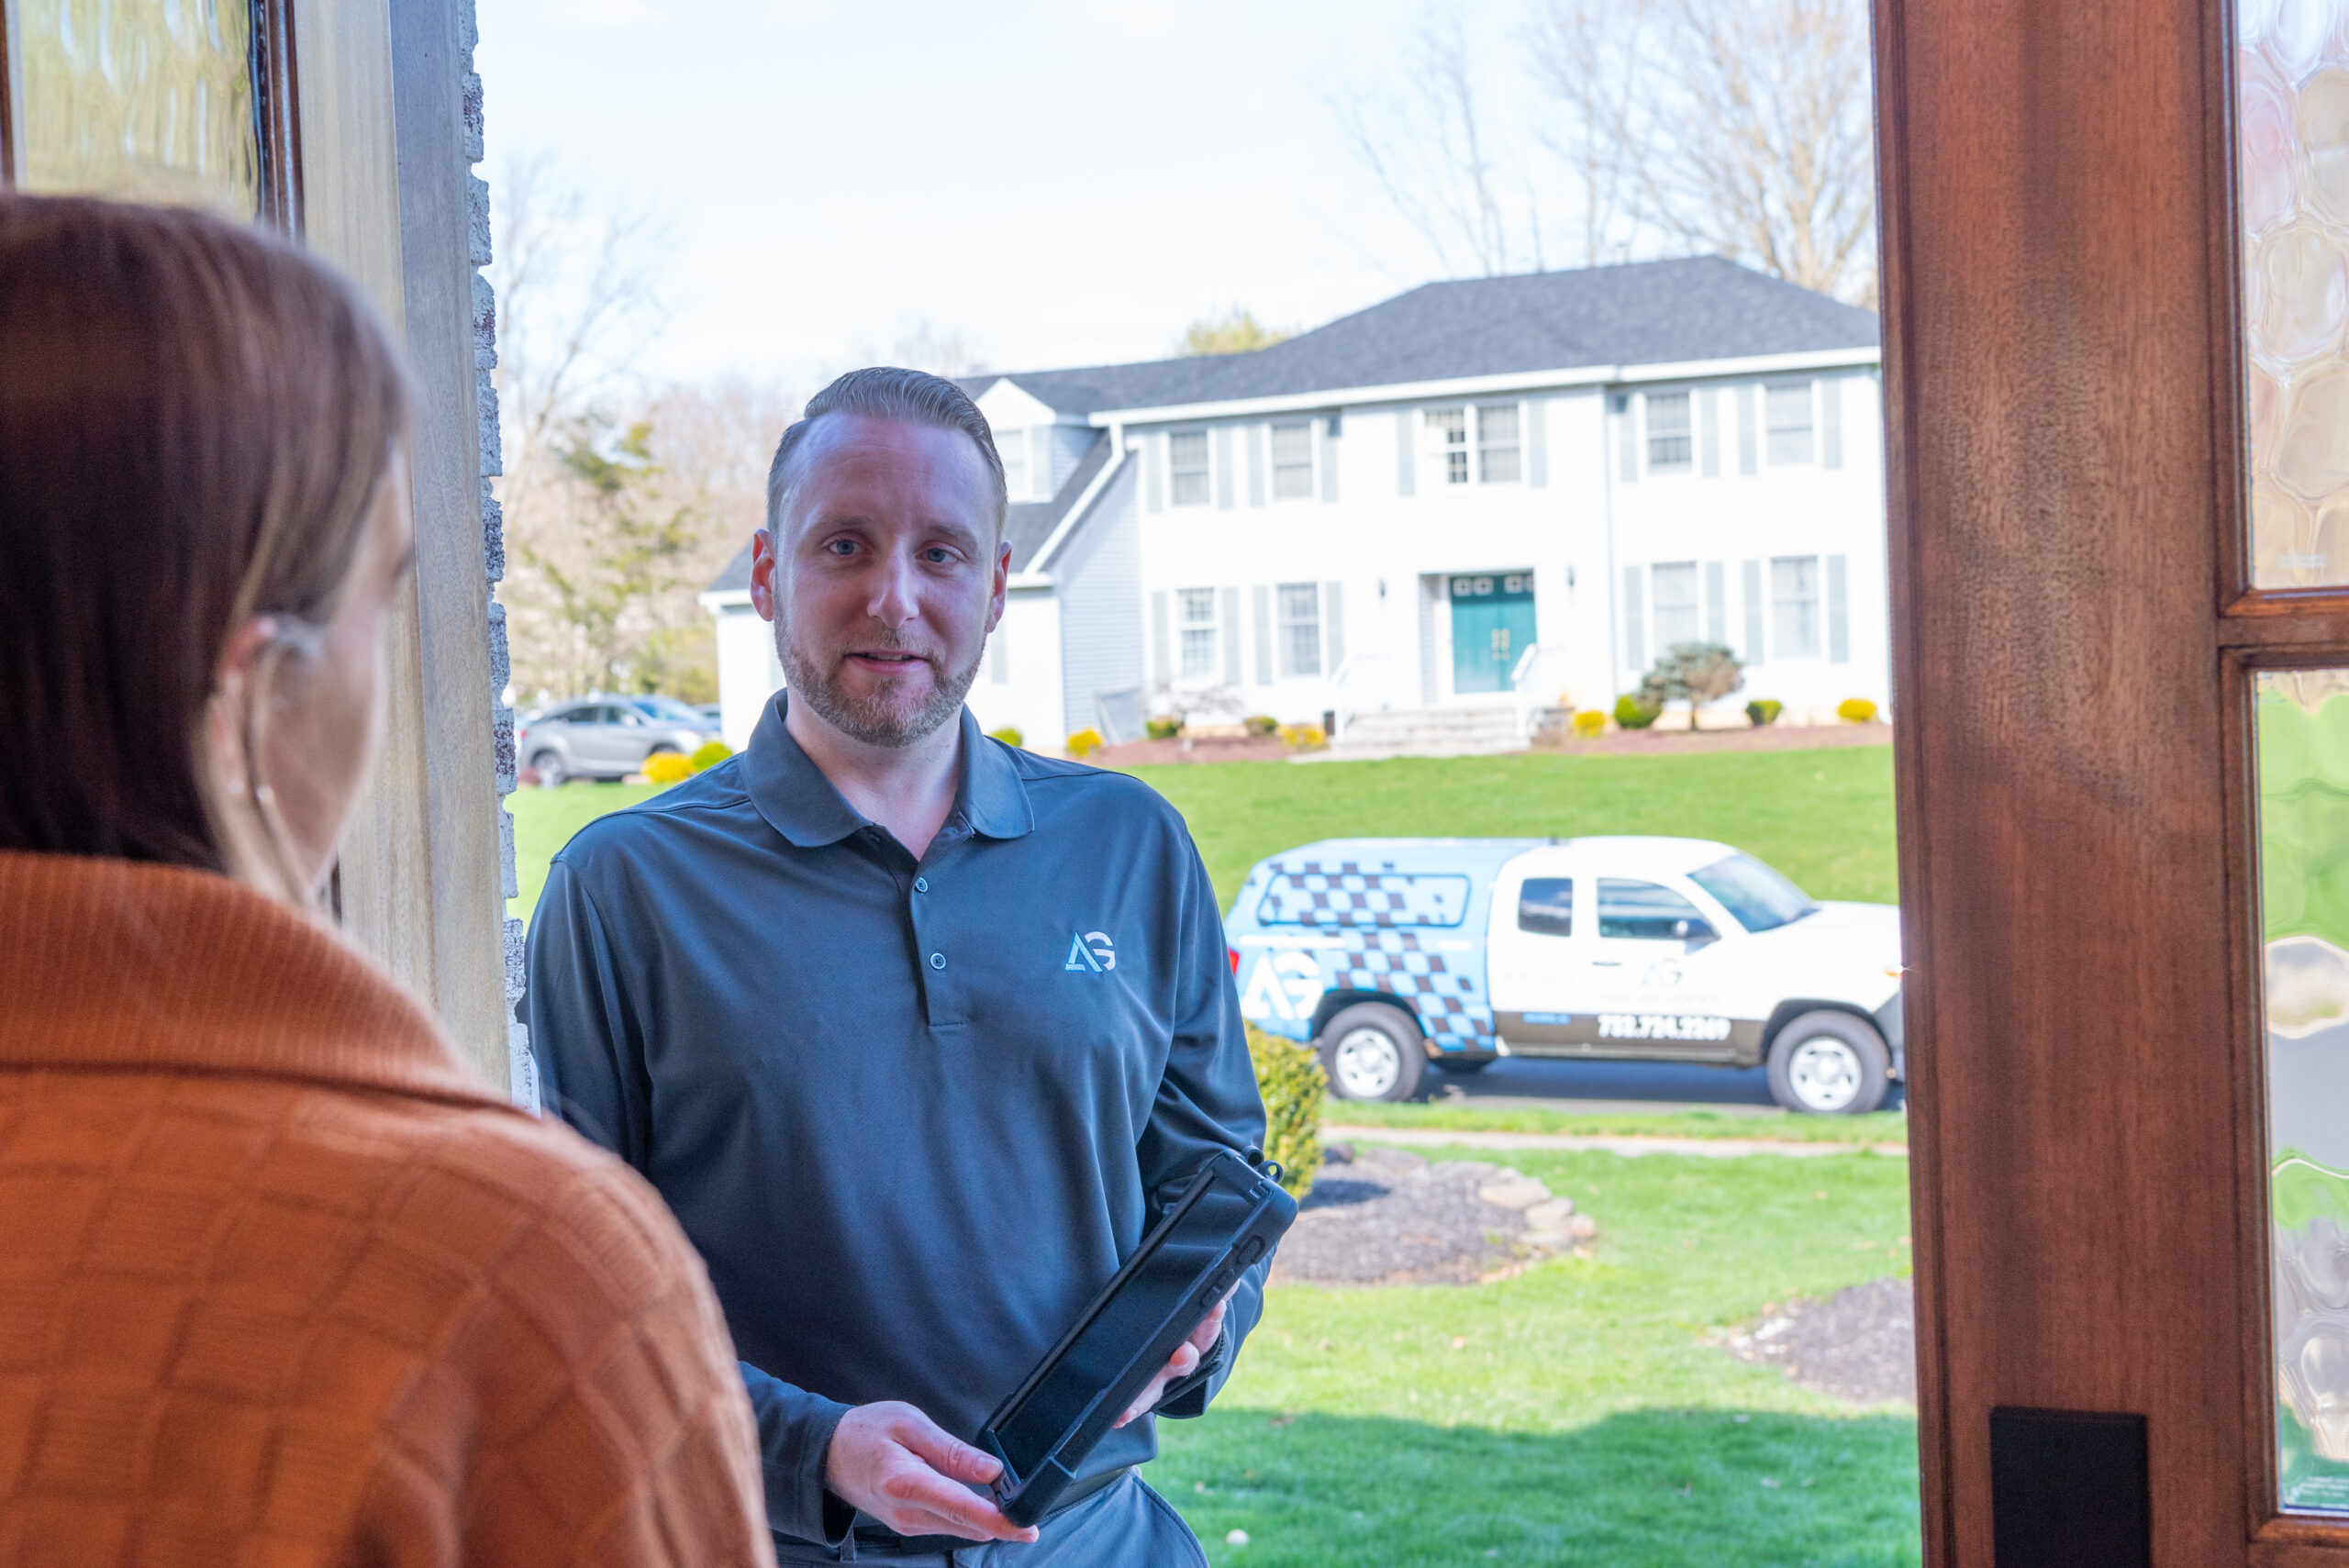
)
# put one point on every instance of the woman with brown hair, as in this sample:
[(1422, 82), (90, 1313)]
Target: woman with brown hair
[(279, 1280)]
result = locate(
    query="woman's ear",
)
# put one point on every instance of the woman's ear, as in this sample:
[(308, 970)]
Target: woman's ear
[(225, 760)]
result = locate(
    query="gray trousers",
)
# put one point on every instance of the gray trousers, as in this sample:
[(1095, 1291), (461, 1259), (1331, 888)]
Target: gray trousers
[(1122, 1526)]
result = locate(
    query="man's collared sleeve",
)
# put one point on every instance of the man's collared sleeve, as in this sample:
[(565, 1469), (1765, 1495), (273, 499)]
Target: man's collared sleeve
[(1207, 1100), (589, 1046)]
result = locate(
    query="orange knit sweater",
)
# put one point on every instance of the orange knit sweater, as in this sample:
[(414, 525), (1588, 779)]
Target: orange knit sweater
[(282, 1283)]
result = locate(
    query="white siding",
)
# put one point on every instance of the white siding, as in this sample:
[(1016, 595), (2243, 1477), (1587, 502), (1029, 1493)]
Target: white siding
[(1099, 575)]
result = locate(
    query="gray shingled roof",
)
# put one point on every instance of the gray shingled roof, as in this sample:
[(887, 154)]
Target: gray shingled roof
[(1643, 313), (1029, 526)]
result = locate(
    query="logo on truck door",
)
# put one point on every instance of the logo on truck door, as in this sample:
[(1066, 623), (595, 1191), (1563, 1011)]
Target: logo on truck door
[(1284, 984)]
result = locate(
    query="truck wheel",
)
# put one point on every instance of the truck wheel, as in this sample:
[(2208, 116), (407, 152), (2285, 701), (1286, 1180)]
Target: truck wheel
[(1829, 1064), (1373, 1052), (548, 765)]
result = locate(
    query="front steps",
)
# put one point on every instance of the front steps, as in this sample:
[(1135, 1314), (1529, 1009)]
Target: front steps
[(1426, 732)]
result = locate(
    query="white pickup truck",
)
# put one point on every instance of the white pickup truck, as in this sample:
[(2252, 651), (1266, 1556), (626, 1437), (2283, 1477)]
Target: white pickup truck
[(1389, 954)]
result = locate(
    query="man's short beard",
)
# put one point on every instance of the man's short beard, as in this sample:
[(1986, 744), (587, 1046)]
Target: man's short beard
[(875, 722)]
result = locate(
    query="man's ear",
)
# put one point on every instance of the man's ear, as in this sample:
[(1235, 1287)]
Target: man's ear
[(763, 573), (1002, 581)]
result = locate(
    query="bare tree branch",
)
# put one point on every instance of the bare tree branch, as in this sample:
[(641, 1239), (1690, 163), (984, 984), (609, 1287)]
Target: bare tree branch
[(1428, 146)]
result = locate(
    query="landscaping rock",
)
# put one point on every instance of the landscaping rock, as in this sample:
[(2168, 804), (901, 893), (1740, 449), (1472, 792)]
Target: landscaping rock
[(1513, 1191), (1550, 1214), (1387, 1216), (1858, 1345)]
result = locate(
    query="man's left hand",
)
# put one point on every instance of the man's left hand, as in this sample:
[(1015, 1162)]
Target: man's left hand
[(1183, 1363)]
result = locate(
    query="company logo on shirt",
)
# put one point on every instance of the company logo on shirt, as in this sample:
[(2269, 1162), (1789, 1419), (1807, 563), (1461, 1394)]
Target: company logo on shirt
[(1092, 953)]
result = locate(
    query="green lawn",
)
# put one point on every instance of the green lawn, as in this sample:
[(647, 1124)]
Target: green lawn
[(1576, 1414), (1878, 1127), (1823, 816)]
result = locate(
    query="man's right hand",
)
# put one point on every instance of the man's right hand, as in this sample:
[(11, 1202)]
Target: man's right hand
[(897, 1465)]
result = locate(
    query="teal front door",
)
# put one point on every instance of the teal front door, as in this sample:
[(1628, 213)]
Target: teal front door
[(1492, 625)]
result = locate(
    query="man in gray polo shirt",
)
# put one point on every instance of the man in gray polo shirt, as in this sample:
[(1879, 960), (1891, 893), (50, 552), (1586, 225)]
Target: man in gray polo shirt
[(912, 1030)]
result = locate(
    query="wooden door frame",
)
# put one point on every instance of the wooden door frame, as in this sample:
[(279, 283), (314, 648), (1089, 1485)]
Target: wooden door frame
[(366, 144), (2075, 639)]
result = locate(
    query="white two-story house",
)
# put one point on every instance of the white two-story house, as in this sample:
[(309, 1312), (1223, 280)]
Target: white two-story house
[(1502, 491)]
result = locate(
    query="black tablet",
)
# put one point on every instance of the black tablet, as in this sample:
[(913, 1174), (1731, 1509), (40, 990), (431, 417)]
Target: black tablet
[(1229, 1214)]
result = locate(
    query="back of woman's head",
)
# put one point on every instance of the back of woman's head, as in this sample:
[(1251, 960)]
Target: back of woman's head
[(195, 419)]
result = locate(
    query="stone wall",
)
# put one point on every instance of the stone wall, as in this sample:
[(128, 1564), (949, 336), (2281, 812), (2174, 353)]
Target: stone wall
[(523, 1070)]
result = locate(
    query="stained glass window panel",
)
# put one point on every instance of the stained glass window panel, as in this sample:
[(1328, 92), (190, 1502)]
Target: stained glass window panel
[(2303, 736), (2292, 113), (150, 100)]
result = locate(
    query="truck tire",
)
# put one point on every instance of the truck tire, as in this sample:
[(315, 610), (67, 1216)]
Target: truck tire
[(1829, 1064), (1373, 1052), (548, 765)]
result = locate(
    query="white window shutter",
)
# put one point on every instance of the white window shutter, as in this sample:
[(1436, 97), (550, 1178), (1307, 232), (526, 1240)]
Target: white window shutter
[(1839, 629), (1230, 630), (1405, 443), (1223, 466), (1708, 432), (1754, 612), (1255, 466), (1749, 446), (1717, 604), (1162, 642), (1263, 634), (1537, 445), (1153, 468), (1334, 625), (1626, 438), (1635, 634), (1830, 421), (1330, 429)]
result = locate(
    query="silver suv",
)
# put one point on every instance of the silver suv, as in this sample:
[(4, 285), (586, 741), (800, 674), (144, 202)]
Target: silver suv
[(607, 738)]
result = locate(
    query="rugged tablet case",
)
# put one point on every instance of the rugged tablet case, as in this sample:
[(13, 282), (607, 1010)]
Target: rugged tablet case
[(1231, 1214)]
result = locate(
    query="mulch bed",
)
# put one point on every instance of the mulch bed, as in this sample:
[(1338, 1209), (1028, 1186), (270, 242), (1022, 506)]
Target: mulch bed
[(1387, 1216), (1137, 753), (1859, 1344), (1769, 737)]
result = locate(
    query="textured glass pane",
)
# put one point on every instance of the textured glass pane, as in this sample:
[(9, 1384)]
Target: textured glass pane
[(2303, 730), (2292, 84), (148, 99)]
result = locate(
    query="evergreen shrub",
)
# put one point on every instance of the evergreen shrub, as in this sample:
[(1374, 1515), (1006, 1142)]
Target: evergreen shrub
[(1010, 735), (708, 754), (1291, 1081), (1636, 713), (1765, 711)]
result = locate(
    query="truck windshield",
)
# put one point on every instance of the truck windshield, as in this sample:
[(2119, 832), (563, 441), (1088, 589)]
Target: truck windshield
[(1760, 899)]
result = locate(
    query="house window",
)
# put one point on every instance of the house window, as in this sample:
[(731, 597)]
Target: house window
[(1292, 463), (1493, 436), (1496, 443), (1448, 444), (1186, 468), (1670, 448), (1786, 408), (1012, 446), (1198, 631), (1675, 591), (1794, 605), (1300, 629)]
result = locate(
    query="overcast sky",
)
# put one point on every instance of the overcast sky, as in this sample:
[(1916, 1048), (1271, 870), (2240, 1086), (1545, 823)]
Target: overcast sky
[(1068, 182)]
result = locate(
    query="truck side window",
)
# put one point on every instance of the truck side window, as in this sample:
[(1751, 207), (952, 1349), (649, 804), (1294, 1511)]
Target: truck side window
[(1646, 912), (1545, 906)]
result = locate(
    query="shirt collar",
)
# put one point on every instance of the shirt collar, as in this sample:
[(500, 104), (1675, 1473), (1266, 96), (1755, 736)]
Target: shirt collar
[(798, 802), (118, 965)]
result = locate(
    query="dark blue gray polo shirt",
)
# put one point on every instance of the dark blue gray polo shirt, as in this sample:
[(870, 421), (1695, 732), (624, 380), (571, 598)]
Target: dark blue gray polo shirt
[(913, 1115)]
